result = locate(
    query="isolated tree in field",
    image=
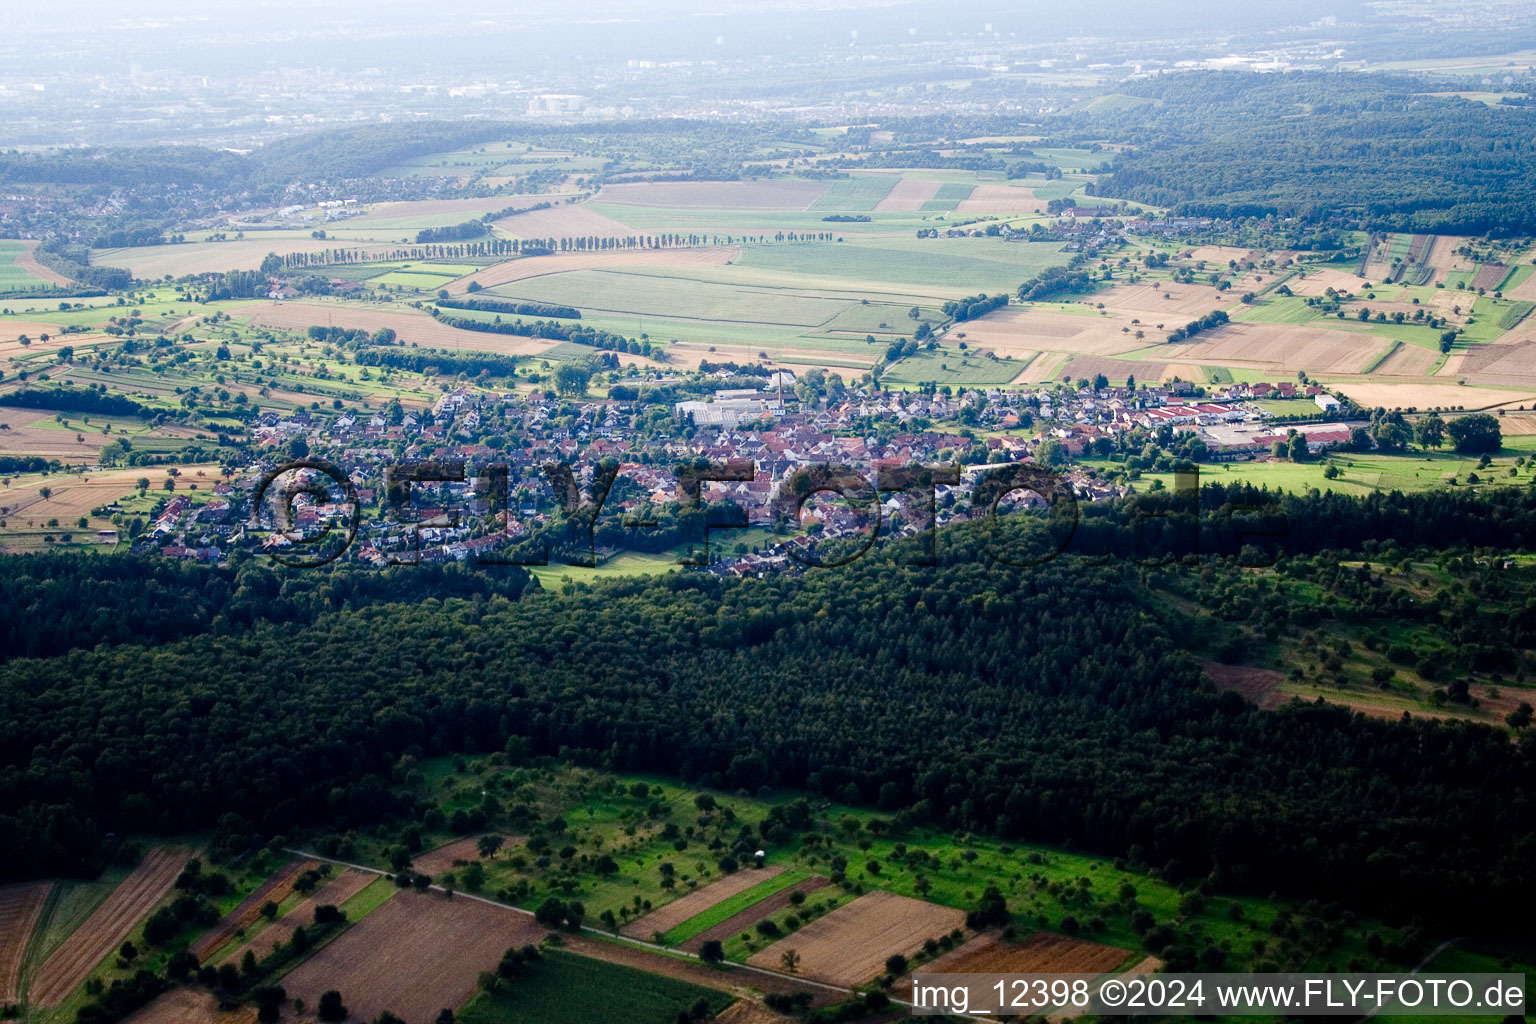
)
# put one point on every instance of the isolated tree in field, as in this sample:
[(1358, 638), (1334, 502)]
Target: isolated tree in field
[(895, 965), (712, 952), (1472, 435), (790, 960), (489, 844), (330, 1008), (1429, 431), (1520, 718)]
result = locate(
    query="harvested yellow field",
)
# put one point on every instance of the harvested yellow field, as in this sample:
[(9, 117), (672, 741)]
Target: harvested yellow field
[(411, 327), (1016, 330), (1281, 348), (1162, 299), (71, 495), (1407, 361), (560, 263), (1001, 199), (908, 194), (151, 261), (567, 220), (1317, 282), (1431, 396), (717, 195)]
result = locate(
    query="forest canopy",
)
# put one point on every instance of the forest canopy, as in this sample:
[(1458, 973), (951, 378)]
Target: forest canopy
[(1056, 703), (1313, 145)]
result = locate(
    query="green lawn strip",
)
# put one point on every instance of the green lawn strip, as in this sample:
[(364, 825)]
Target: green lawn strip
[(1374, 363), (566, 988), (372, 896), (1516, 312), (1517, 274), (733, 905)]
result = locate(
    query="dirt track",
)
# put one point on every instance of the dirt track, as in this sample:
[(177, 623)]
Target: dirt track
[(28, 261)]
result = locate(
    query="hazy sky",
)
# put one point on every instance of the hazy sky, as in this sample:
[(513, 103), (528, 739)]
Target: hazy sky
[(228, 35)]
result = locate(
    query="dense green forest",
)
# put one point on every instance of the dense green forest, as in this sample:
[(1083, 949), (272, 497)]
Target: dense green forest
[(1314, 145), (1056, 702)]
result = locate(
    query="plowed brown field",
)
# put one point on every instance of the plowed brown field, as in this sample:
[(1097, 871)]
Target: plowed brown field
[(275, 889), (435, 862), (108, 925), (850, 945), (1039, 953), (191, 1006), (335, 892), (20, 906), (416, 954)]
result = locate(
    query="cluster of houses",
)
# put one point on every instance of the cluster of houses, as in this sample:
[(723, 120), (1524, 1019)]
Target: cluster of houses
[(869, 429)]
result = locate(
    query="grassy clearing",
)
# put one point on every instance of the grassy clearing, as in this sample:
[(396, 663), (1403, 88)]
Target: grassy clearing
[(1369, 473), (14, 278), (951, 366), (1286, 309), (949, 196), (858, 194), (953, 270), (564, 988), (1517, 311)]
